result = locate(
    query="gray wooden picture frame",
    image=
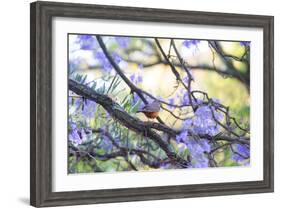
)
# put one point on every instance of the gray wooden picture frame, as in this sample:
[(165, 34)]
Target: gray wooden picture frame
[(41, 15)]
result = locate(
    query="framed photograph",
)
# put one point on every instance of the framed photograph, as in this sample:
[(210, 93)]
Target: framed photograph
[(131, 104)]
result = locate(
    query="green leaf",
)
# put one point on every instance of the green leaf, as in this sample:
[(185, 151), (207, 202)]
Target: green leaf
[(93, 86), (83, 167), (135, 107)]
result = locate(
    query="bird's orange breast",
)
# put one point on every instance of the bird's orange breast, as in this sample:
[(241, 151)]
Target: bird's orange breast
[(151, 115)]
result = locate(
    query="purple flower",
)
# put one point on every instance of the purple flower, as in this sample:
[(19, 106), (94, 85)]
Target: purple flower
[(106, 144), (78, 103), (123, 41), (165, 165), (136, 78), (217, 114), (132, 77), (87, 42), (186, 99), (243, 149), (89, 109), (139, 79), (70, 99), (74, 64), (197, 147), (182, 137), (172, 102), (203, 121), (100, 56), (76, 135), (187, 123), (116, 57), (216, 102), (245, 43), (136, 98), (141, 66), (197, 150), (190, 43), (205, 145), (198, 101), (241, 153), (107, 115), (185, 79)]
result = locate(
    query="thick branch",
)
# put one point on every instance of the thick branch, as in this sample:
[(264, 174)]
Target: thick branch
[(134, 124)]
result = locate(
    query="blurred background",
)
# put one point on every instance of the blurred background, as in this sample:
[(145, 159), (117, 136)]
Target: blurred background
[(222, 72)]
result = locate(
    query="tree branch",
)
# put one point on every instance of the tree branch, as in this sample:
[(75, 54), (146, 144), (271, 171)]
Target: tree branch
[(190, 78), (134, 124), (215, 45), (122, 75)]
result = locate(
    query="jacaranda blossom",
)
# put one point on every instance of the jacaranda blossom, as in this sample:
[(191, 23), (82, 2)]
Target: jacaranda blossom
[(242, 152), (100, 56), (136, 98), (136, 78), (76, 135), (245, 43), (190, 43), (182, 137), (87, 42), (141, 66), (123, 41), (198, 149), (172, 102), (89, 109), (185, 99), (203, 121), (116, 57)]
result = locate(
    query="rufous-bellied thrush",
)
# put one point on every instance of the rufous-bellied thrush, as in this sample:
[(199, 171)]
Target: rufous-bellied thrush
[(151, 110)]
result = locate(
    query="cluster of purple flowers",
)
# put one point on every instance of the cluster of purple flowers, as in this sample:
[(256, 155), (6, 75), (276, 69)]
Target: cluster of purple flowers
[(123, 42), (189, 43), (186, 78), (106, 144), (202, 123), (101, 57), (172, 102), (87, 42), (89, 109), (242, 152), (245, 43), (185, 98), (198, 148), (136, 98), (76, 135), (141, 66), (137, 78), (73, 64), (204, 120)]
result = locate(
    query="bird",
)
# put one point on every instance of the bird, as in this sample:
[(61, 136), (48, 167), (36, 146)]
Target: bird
[(151, 110)]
